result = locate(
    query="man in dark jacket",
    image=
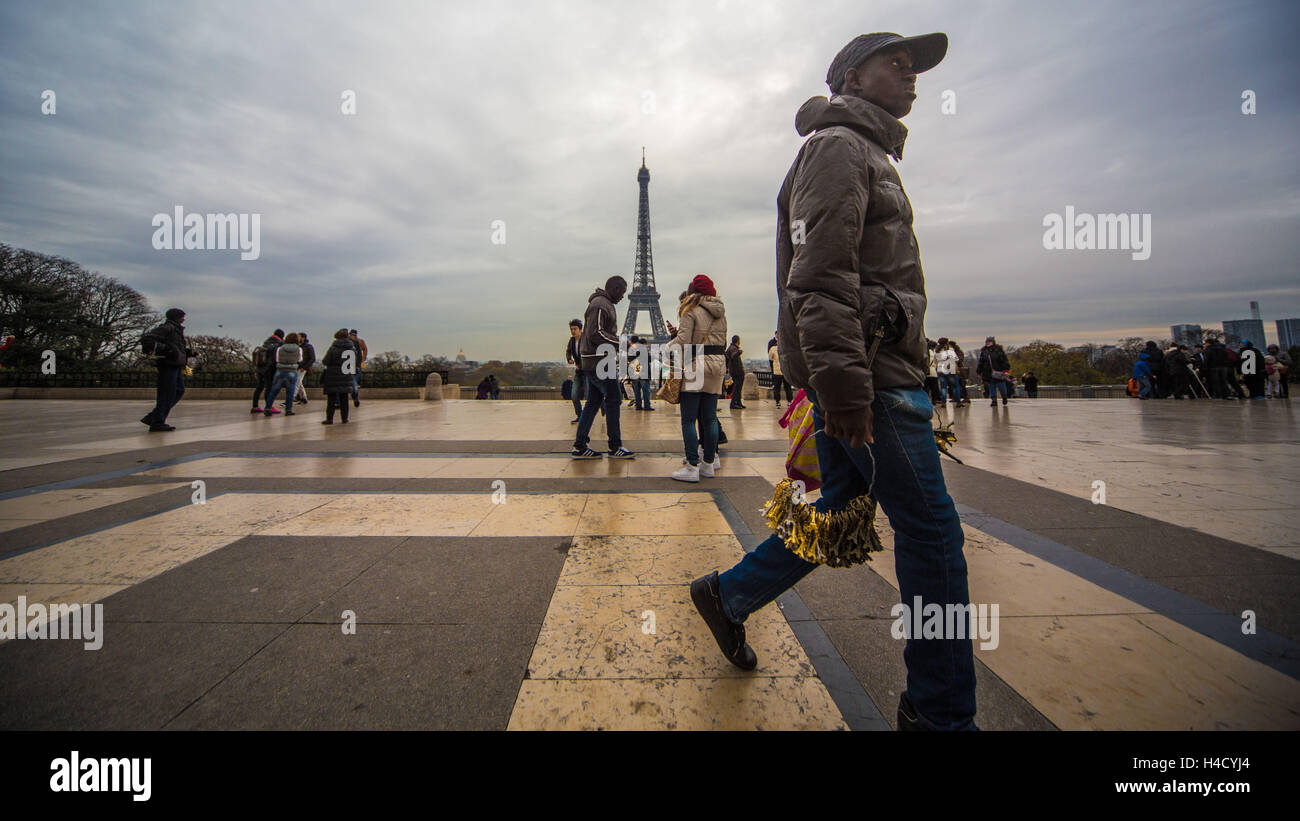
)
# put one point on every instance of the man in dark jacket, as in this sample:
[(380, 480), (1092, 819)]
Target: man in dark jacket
[(851, 334), (1159, 377), (171, 353), (264, 366), (736, 370), (600, 328), (304, 367), (574, 358), (992, 368), (1180, 381), (1219, 367)]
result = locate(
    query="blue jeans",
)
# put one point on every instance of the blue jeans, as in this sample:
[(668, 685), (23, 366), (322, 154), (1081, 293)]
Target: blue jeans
[(948, 384), (288, 379), (995, 385), (579, 390), (1144, 387), (928, 543), (700, 409), (641, 392), (600, 392)]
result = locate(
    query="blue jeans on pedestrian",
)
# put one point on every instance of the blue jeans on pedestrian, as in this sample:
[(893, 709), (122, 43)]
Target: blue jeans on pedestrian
[(1144, 387), (948, 387), (606, 393), (992, 388), (579, 390), (699, 409), (928, 560), (287, 379), (641, 392)]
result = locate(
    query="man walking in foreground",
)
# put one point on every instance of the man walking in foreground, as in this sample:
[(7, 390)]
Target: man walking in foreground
[(600, 328), (855, 279), (166, 344)]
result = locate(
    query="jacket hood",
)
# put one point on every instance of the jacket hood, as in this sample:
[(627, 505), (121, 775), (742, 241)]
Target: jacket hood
[(871, 120), (1144, 357), (714, 306), (598, 293)]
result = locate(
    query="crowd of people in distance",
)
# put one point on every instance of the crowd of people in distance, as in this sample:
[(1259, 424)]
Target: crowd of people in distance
[(1211, 371), (281, 362), (285, 361), (702, 327)]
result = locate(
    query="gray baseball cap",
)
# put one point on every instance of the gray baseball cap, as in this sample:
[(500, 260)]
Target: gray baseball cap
[(927, 51)]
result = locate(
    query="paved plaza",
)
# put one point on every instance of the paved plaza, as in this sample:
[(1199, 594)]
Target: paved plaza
[(445, 565)]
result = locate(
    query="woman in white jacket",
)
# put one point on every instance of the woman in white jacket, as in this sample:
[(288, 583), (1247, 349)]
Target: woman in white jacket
[(704, 330), (945, 362)]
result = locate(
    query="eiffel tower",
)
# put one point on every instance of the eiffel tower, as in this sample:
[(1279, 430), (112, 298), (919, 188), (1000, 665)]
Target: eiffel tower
[(644, 297)]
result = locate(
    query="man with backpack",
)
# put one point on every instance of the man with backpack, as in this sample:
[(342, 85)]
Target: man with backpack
[(166, 344), (264, 366)]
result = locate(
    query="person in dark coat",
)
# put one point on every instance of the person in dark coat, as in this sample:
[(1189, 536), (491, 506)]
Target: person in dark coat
[(264, 366), (992, 368), (1180, 380), (736, 370), (1156, 364), (1031, 385), (1218, 365), (1251, 365), (304, 367), (484, 389), (171, 353), (337, 381)]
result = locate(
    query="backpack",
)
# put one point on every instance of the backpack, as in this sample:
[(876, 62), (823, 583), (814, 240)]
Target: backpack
[(151, 343), (1134, 388), (264, 357)]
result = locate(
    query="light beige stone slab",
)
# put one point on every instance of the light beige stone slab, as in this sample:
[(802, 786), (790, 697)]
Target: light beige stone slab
[(1140, 672), (388, 514), (531, 514), (750, 703), (109, 557), (600, 632), (238, 514), (641, 560), (53, 504), (651, 514)]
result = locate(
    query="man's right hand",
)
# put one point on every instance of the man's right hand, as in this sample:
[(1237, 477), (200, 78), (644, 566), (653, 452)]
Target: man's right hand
[(855, 427)]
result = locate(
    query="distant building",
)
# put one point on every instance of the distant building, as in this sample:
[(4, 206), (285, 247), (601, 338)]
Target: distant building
[(1095, 353), (1236, 331), (1188, 335), (1254, 311), (460, 357), (1288, 333)]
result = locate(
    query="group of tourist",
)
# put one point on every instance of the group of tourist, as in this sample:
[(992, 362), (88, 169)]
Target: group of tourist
[(284, 361), (1211, 371)]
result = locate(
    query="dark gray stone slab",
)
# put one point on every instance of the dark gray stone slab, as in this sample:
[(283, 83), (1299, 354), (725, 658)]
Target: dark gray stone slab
[(386, 677), (849, 592), (454, 580), (256, 579), (142, 676)]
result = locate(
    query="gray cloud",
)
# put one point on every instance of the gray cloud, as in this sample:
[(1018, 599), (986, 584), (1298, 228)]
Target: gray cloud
[(535, 114)]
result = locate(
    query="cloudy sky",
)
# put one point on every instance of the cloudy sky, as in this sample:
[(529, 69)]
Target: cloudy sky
[(534, 114)]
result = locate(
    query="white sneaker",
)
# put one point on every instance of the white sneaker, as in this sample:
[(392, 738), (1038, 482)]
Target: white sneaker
[(706, 470), (688, 473)]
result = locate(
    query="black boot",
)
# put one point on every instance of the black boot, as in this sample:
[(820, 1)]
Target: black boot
[(908, 720)]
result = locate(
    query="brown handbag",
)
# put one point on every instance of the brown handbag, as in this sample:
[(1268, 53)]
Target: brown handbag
[(670, 391)]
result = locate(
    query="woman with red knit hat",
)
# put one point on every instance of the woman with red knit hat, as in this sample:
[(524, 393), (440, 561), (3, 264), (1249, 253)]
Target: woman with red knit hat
[(704, 332)]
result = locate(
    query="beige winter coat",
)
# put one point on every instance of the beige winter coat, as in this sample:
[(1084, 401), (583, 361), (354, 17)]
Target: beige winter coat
[(705, 324)]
